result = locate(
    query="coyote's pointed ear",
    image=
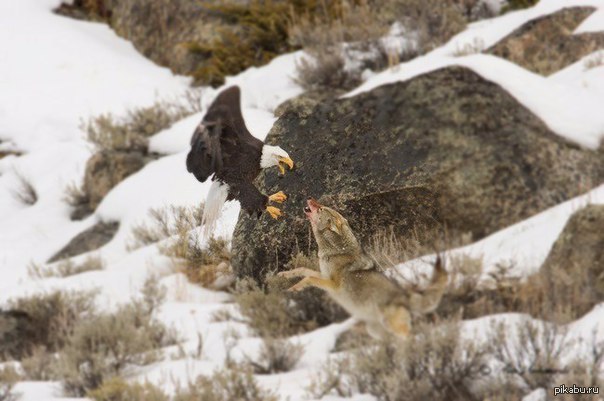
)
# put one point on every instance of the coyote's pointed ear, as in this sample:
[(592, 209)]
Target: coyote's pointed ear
[(336, 226)]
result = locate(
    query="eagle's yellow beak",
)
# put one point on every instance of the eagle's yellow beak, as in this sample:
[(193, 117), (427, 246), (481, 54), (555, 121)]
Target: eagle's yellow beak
[(285, 161)]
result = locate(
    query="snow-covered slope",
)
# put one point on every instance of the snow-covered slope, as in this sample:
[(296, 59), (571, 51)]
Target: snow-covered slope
[(569, 102), (56, 72)]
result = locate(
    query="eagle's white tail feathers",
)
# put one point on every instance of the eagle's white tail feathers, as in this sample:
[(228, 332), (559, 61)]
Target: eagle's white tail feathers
[(216, 198)]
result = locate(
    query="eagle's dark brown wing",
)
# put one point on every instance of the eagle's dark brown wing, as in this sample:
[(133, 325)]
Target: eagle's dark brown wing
[(205, 157), (222, 136)]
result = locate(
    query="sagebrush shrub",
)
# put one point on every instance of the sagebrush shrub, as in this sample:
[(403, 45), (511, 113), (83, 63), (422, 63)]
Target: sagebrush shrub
[(8, 378), (51, 320), (102, 346), (531, 353), (435, 364), (38, 365), (270, 313), (273, 312), (276, 355)]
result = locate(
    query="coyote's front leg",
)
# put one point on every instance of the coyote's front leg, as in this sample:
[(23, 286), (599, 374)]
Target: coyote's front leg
[(299, 272), (319, 282)]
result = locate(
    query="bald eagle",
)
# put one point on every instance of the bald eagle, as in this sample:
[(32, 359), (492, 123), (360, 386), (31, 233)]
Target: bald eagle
[(223, 148)]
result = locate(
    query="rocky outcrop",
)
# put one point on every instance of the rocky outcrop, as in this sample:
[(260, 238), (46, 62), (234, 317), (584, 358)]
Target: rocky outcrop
[(88, 240), (581, 246), (447, 148), (547, 44), (107, 168)]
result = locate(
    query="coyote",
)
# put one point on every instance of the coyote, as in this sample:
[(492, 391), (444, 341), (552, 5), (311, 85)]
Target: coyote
[(353, 280)]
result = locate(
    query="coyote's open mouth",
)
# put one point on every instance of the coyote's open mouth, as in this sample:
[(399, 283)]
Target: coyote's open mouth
[(311, 208)]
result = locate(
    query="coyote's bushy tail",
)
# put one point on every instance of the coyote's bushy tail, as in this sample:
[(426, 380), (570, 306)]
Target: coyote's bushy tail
[(427, 301)]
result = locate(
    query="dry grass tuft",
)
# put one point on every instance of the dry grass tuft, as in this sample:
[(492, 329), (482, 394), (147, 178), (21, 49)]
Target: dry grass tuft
[(65, 268), (237, 383), (163, 223), (475, 47), (204, 263), (117, 389), (130, 132), (76, 196), (25, 192), (326, 70), (276, 355), (207, 266), (594, 61)]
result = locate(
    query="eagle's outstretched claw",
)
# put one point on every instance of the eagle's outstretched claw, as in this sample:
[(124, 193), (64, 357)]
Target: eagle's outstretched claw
[(278, 197), (274, 212)]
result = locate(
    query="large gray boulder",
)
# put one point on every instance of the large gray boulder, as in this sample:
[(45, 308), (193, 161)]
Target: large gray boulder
[(447, 148)]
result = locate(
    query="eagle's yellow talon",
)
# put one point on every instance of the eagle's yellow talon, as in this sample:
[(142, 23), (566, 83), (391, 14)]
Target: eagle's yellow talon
[(274, 212), (278, 197)]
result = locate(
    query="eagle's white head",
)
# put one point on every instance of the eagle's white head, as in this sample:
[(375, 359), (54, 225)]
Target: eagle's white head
[(275, 156)]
